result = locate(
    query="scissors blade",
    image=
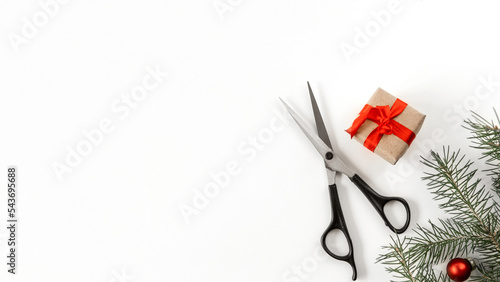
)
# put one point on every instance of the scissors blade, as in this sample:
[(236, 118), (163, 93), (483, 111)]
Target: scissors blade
[(320, 146), (333, 164), (320, 125)]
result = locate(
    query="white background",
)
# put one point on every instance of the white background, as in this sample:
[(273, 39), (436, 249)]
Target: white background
[(116, 216)]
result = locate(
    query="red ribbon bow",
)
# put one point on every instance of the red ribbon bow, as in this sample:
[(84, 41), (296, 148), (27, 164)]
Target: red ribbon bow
[(383, 116)]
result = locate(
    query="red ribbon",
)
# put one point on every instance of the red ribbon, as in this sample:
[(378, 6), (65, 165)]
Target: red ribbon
[(383, 116)]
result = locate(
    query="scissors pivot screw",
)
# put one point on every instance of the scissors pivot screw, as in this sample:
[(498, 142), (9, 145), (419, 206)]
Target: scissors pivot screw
[(329, 156)]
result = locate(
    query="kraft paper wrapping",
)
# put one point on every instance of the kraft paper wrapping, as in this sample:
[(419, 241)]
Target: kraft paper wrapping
[(391, 148)]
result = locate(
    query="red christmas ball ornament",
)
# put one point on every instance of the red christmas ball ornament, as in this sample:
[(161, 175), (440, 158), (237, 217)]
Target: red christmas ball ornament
[(459, 269)]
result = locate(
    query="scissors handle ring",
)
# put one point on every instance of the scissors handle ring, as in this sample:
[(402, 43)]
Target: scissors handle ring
[(338, 223), (378, 201)]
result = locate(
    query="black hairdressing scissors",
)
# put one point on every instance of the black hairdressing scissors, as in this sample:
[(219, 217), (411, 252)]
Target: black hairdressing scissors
[(333, 165)]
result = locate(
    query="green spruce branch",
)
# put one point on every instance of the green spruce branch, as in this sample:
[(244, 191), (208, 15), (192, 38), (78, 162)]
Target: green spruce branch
[(447, 240), (474, 227), (486, 137)]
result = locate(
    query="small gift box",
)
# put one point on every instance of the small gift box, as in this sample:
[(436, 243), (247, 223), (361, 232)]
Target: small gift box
[(386, 126)]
